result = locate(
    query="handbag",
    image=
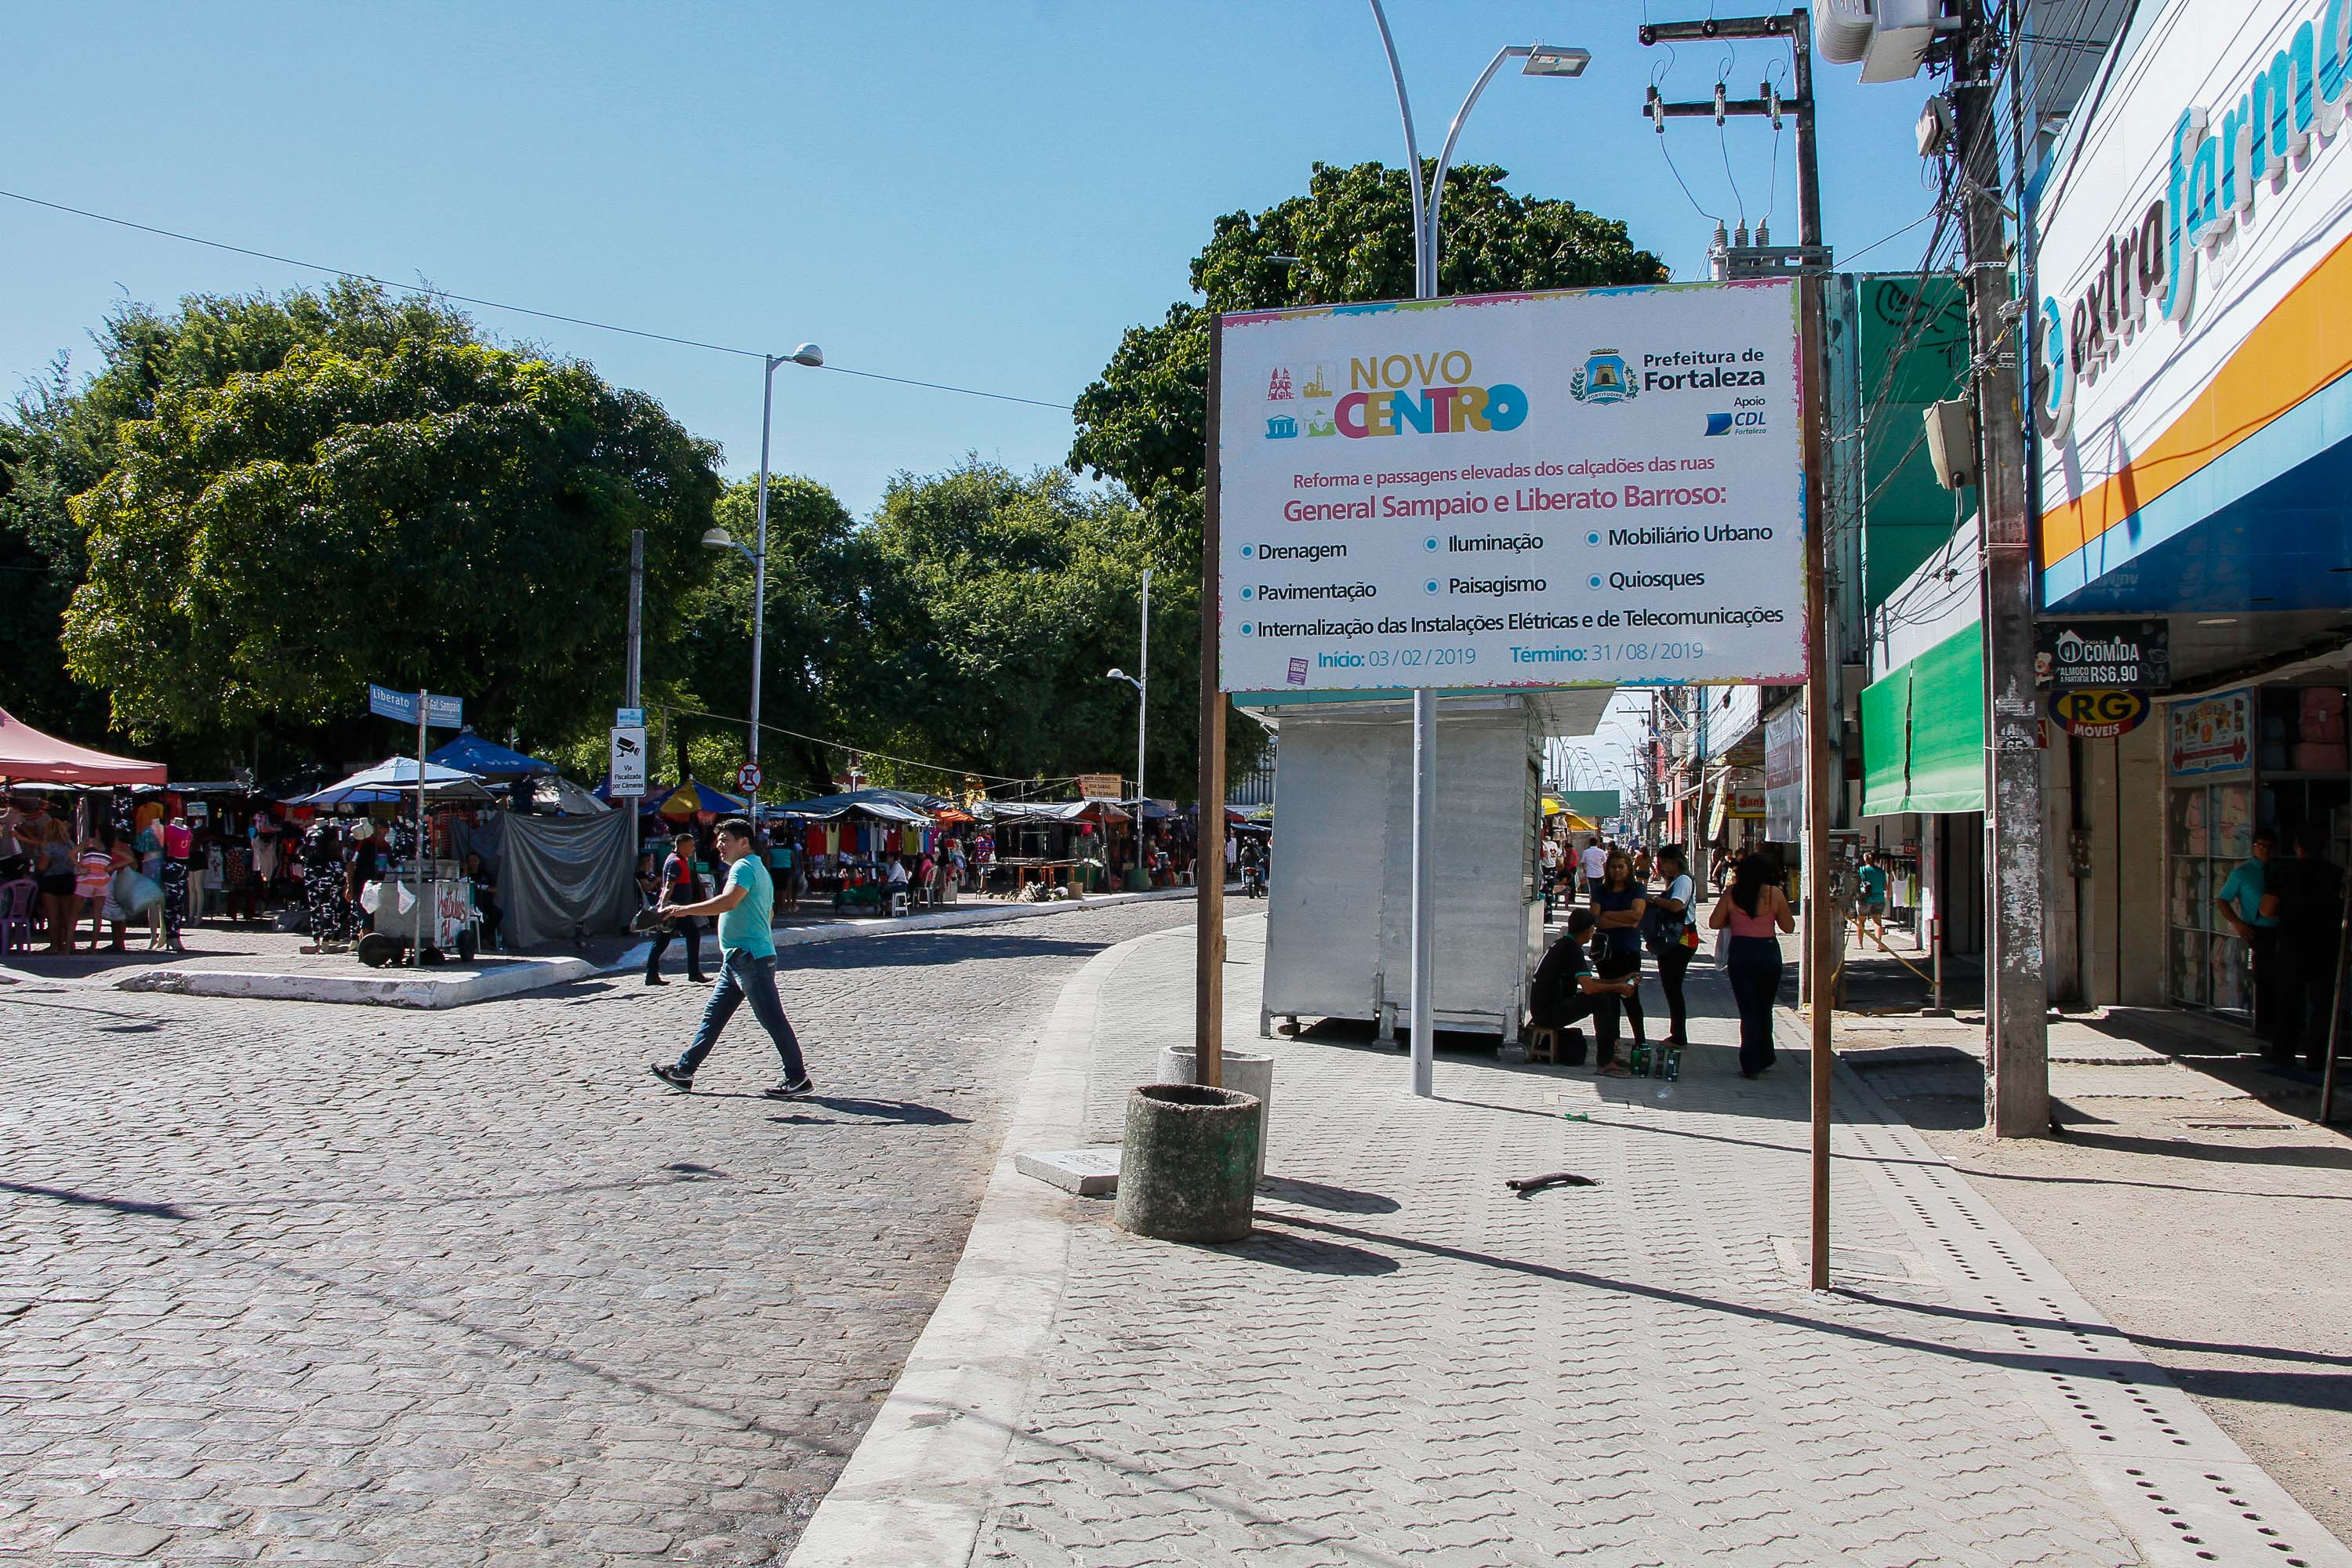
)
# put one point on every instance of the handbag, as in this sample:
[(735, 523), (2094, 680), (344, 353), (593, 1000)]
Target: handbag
[(136, 891)]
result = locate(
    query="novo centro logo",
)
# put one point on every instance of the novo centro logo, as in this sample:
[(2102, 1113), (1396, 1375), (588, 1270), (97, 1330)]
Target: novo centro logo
[(2209, 193), (1391, 394)]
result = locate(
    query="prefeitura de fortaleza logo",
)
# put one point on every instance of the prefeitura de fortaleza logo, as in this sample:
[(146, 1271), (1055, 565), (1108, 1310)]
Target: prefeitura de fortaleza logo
[(1605, 378)]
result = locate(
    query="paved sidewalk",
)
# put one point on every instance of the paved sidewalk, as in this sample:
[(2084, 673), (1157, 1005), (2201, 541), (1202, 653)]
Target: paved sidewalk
[(1408, 1364)]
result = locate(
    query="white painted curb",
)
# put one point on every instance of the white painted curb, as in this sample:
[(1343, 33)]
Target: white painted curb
[(942, 919), (401, 989), (917, 1489)]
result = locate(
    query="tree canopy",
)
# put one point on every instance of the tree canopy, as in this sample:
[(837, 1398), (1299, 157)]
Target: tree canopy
[(270, 501), (1349, 238)]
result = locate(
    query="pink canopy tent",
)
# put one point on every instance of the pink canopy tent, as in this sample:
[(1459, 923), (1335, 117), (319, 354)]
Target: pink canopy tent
[(27, 756)]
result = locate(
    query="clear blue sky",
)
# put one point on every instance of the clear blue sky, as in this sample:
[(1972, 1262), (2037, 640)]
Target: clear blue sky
[(978, 194)]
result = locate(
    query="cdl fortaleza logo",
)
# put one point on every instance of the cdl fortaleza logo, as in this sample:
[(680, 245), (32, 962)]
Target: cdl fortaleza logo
[(1393, 395)]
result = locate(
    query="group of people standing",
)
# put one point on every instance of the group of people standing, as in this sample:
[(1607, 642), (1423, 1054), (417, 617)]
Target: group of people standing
[(2289, 912), (1632, 907), (106, 873)]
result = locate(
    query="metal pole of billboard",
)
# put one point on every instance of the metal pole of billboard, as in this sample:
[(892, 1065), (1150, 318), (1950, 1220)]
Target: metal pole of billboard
[(1821, 927), (1209, 842), (1821, 919)]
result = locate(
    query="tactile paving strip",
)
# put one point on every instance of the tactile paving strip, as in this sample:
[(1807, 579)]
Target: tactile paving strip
[(2184, 1489)]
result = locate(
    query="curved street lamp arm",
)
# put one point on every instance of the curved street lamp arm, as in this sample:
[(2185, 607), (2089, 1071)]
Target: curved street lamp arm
[(1445, 155), (1424, 270)]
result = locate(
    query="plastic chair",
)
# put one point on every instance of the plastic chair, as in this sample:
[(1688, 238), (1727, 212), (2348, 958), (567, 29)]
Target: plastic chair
[(16, 900)]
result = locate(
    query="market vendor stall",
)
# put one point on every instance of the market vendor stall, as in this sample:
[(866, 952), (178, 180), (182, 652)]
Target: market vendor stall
[(849, 842), (425, 906), (1048, 841)]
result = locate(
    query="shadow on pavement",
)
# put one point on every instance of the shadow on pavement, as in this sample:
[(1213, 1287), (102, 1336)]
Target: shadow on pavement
[(1319, 1195), (869, 1112)]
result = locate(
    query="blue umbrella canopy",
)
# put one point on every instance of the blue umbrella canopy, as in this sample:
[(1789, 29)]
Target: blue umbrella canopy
[(487, 759)]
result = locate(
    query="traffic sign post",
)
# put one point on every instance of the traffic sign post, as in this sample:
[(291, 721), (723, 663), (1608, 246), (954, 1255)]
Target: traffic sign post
[(628, 761), (747, 778)]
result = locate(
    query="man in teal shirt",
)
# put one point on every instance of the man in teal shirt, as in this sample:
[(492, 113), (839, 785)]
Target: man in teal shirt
[(2241, 903), (745, 907)]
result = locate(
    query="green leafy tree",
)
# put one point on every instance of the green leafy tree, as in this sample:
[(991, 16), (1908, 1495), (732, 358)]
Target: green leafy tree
[(994, 604), (391, 503), (815, 627), (1349, 238)]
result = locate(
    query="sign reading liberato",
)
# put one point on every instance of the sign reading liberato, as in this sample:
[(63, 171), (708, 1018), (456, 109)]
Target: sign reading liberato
[(1599, 487)]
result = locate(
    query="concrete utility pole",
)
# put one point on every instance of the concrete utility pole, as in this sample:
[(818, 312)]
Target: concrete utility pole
[(2017, 1044)]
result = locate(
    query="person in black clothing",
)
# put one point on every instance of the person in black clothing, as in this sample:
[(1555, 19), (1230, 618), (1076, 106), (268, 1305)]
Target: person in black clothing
[(1618, 903), (486, 896), (322, 885), (1674, 949), (1565, 991), (2305, 895), (677, 887)]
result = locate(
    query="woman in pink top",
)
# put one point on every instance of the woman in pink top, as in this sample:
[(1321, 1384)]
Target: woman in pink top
[(1751, 914)]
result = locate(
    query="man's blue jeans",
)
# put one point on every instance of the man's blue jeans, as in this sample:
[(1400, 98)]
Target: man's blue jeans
[(741, 975)]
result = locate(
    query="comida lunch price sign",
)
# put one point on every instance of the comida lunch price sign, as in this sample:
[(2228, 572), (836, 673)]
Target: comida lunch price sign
[(2128, 656), (1579, 488)]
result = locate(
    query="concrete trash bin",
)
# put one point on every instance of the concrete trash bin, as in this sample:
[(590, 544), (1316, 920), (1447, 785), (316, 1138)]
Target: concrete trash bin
[(1252, 1072), (1188, 1170)]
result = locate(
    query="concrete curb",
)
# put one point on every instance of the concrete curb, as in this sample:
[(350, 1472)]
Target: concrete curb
[(942, 920), (400, 988), (918, 1486)]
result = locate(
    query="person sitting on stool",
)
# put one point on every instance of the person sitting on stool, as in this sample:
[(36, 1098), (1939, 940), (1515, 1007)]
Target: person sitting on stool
[(1565, 991)]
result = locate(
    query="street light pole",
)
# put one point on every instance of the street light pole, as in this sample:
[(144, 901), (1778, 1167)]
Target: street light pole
[(808, 355), (1142, 691), (1541, 62)]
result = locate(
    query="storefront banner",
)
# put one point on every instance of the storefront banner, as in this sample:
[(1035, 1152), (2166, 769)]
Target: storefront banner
[(2213, 734), (2091, 714), (2084, 655), (2191, 224), (1591, 488), (1784, 774)]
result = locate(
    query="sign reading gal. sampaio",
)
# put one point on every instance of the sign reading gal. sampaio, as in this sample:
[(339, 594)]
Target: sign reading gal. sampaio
[(1596, 486)]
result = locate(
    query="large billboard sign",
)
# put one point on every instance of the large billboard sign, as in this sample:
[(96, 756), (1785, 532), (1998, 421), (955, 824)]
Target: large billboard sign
[(2192, 265), (1600, 487)]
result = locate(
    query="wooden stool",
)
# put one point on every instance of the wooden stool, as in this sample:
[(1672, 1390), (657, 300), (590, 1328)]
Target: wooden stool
[(1543, 1044)]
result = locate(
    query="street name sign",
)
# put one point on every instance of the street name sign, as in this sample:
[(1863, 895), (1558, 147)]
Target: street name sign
[(628, 718), (441, 712), (1596, 486)]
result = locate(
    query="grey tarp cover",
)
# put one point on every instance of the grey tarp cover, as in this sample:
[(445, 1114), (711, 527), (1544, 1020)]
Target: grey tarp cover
[(558, 872)]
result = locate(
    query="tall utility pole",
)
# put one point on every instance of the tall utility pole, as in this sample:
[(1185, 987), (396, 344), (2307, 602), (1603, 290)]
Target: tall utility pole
[(2016, 1005), (632, 696), (1821, 723)]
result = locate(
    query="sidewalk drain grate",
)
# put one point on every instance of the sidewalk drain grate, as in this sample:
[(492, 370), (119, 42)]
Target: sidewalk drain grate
[(2240, 1126)]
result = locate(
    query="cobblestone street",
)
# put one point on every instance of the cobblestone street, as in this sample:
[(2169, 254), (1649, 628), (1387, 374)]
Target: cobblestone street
[(295, 1283)]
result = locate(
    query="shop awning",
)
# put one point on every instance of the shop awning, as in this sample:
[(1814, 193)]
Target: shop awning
[(1923, 732), (29, 756)]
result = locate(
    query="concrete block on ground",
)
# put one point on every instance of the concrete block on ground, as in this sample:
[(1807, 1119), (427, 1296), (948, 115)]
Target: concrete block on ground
[(1089, 1172)]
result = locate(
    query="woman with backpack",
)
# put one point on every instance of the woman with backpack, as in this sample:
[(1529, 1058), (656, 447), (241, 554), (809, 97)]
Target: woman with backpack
[(1618, 905), (1751, 914)]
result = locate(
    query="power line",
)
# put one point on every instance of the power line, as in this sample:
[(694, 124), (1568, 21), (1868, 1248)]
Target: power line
[(501, 305), (862, 751)]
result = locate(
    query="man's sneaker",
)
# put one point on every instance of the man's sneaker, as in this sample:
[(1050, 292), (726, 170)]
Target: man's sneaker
[(681, 1081), (790, 1088)]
